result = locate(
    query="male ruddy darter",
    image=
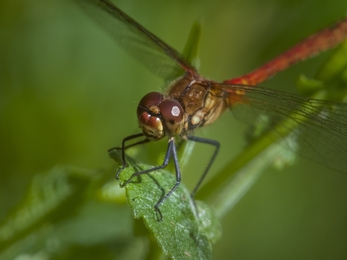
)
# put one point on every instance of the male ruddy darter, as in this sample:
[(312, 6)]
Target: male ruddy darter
[(192, 101)]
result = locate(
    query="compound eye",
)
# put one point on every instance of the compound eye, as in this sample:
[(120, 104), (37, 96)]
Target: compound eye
[(171, 112), (152, 99)]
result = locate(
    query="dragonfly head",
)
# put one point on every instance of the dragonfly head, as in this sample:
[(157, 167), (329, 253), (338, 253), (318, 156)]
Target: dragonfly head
[(159, 116)]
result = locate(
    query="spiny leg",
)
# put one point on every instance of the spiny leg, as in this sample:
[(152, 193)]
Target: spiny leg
[(163, 165), (216, 145), (124, 147), (171, 150)]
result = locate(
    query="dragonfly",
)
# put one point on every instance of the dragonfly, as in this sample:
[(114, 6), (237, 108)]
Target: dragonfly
[(192, 101)]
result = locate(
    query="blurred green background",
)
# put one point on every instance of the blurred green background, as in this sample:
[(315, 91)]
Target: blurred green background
[(69, 93)]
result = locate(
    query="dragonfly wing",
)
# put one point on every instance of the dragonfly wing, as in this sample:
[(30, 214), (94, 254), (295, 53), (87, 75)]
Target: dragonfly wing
[(319, 128), (155, 54)]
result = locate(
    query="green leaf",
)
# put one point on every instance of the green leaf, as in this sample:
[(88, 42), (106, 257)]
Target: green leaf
[(308, 86), (182, 233), (52, 198), (190, 51), (334, 66)]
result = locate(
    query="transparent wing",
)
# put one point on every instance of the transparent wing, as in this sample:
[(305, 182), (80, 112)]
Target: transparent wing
[(155, 54), (318, 127)]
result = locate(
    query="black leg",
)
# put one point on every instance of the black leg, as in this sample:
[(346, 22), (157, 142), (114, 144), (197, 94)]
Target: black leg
[(171, 150), (172, 147), (164, 164), (124, 147), (130, 145), (216, 145)]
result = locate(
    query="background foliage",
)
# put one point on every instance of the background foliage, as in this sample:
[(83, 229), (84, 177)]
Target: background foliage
[(68, 93)]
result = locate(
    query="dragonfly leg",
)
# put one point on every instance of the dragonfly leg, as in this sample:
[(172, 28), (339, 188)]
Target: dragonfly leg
[(216, 145), (171, 150), (163, 165), (124, 147)]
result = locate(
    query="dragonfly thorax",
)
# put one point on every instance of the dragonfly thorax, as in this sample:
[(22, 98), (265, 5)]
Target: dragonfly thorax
[(159, 116)]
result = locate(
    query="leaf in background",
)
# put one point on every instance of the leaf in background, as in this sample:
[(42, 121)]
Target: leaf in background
[(53, 196)]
